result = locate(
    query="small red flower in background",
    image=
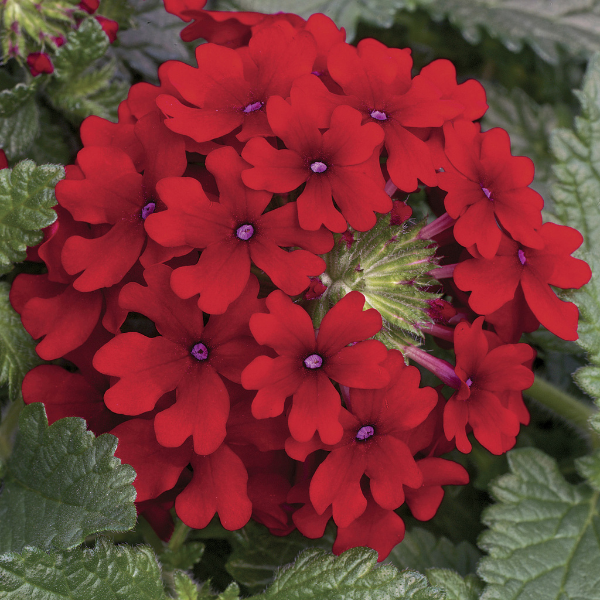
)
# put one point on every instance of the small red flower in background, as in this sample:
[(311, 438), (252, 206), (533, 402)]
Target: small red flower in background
[(305, 364), (89, 6), (38, 63), (109, 27)]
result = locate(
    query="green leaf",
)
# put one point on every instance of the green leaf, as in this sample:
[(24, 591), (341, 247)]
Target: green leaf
[(544, 538), (12, 99), (185, 588), (529, 126), (232, 592), (318, 575), (575, 194), (185, 557), (543, 24), (84, 45), (455, 586), (17, 348), (589, 468), (117, 10), (62, 484), (152, 40), (105, 572), (257, 554), (420, 550), (26, 201), (81, 87), (19, 130)]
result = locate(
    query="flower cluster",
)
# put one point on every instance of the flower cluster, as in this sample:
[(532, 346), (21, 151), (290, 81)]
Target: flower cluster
[(193, 302)]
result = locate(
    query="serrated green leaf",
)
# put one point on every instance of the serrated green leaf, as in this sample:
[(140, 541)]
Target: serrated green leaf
[(421, 550), (26, 201), (575, 195), (185, 588), (17, 348), (81, 87), (62, 484), (152, 39), (543, 540), (543, 24), (257, 554), (318, 575), (12, 99), (232, 592), (84, 46), (185, 557), (529, 126), (455, 586), (56, 142), (19, 130), (105, 572), (589, 468)]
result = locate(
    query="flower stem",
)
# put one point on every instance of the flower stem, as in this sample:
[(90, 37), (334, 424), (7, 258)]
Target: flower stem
[(564, 405), (179, 534)]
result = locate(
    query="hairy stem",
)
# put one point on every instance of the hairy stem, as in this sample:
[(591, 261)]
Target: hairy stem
[(564, 405)]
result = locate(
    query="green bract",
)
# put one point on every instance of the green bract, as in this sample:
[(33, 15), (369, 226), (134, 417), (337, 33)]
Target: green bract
[(543, 537), (62, 484), (390, 266), (26, 201)]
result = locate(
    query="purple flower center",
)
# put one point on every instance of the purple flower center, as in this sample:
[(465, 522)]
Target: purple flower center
[(318, 167), (314, 361), (522, 257), (365, 432), (378, 115), (469, 382), (317, 73), (253, 107), (199, 351), (487, 193), (148, 210), (245, 232)]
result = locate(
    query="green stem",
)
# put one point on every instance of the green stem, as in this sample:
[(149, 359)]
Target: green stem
[(565, 405), (8, 427), (179, 534)]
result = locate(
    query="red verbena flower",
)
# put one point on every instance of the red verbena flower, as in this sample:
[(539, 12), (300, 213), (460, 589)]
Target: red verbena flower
[(486, 375), (305, 364), (486, 185), (341, 164), (234, 233)]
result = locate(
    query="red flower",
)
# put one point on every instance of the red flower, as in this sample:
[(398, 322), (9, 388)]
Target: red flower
[(89, 6), (486, 376), (38, 63), (3, 160), (425, 500), (188, 356), (486, 186), (304, 365), (377, 82), (234, 233), (230, 88), (109, 27), (496, 281), (107, 189), (341, 164), (373, 444)]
